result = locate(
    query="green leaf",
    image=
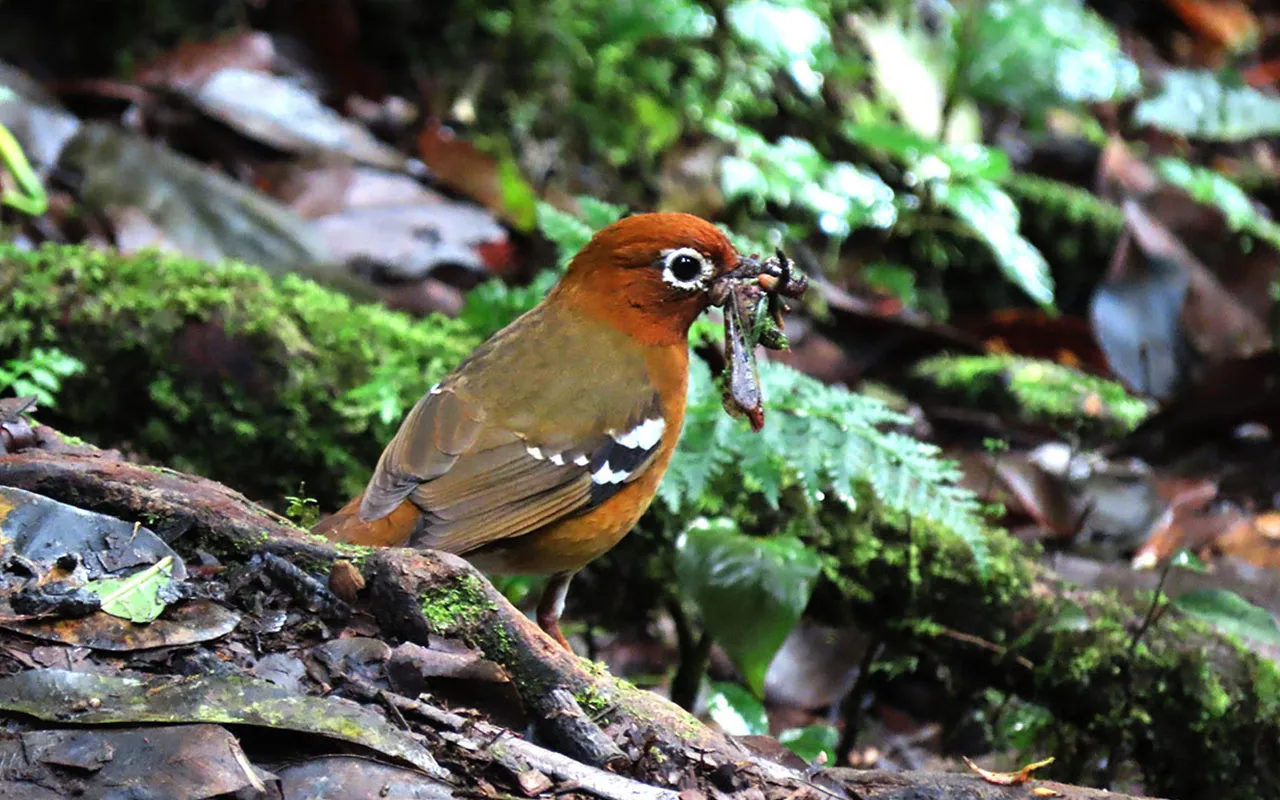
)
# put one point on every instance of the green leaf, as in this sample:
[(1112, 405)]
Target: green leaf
[(29, 197), (137, 597), (39, 373), (1202, 105), (749, 590), (1070, 617), (1214, 189), (1031, 55), (992, 215), (783, 32), (737, 711), (596, 214), (1230, 613), (910, 67), (791, 172), (812, 741)]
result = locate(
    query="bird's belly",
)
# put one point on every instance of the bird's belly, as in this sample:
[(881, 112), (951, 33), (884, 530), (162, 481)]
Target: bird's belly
[(568, 545)]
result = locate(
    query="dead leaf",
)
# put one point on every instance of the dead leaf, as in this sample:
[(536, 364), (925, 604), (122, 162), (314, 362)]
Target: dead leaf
[(182, 762), (1228, 24), (1252, 540), (44, 530), (279, 112), (342, 777), (1008, 778), (190, 64), (186, 624), (1216, 323), (493, 182), (202, 213)]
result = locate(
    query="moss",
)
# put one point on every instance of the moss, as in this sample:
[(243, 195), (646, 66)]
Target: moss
[(1039, 390), (221, 370), (462, 604), (593, 702)]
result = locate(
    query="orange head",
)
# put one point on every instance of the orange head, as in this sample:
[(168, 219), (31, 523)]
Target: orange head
[(649, 275)]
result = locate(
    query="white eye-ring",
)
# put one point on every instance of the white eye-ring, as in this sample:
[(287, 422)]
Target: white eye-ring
[(686, 268)]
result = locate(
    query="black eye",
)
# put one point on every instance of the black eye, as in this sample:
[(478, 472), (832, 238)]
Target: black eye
[(685, 267)]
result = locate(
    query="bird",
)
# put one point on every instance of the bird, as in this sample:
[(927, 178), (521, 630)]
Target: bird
[(543, 448)]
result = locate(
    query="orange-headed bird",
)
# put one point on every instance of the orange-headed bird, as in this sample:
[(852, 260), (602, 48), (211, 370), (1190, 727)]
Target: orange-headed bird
[(542, 449)]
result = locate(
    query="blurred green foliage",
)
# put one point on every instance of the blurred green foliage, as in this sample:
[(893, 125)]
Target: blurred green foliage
[(783, 85), (1210, 106), (1214, 189), (38, 374)]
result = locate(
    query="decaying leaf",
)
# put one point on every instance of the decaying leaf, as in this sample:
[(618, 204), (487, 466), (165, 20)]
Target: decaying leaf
[(1008, 778), (186, 624)]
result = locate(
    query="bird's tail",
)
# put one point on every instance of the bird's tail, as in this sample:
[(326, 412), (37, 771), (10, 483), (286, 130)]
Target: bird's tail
[(345, 525)]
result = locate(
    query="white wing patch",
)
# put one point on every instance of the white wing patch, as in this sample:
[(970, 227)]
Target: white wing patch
[(643, 436), (606, 475), (615, 462)]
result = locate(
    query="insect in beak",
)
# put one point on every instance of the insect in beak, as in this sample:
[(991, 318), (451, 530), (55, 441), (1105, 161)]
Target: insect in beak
[(752, 297)]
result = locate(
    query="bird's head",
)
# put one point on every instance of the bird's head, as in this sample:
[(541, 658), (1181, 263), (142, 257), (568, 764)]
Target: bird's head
[(650, 275)]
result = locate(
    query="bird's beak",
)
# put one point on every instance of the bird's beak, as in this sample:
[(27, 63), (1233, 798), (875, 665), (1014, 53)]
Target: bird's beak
[(751, 295), (775, 275)]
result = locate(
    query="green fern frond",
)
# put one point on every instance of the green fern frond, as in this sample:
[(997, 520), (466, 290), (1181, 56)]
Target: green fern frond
[(821, 439), (826, 441)]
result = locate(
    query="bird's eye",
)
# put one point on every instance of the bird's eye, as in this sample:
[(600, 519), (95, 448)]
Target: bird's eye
[(685, 268)]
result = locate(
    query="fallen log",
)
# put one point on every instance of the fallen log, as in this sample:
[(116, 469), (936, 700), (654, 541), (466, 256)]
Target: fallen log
[(650, 748)]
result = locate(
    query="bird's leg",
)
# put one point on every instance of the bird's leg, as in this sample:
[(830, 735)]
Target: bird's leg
[(551, 606)]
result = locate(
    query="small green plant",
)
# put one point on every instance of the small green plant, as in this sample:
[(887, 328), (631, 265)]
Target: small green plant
[(303, 510), (39, 373)]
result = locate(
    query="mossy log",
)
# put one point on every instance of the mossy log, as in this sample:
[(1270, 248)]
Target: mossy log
[(271, 408), (582, 711)]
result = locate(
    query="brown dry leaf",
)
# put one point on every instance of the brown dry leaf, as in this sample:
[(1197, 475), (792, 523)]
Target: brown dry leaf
[(187, 624), (491, 182), (188, 66), (1008, 778), (1216, 323), (1228, 24), (1122, 174), (284, 114), (1253, 540), (1187, 522)]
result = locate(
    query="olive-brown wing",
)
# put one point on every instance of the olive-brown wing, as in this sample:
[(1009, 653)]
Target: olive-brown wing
[(477, 481)]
